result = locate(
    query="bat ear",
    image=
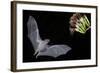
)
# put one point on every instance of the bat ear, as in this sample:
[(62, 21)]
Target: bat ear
[(47, 40)]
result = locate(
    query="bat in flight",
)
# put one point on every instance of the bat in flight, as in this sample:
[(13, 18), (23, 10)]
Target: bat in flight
[(41, 47)]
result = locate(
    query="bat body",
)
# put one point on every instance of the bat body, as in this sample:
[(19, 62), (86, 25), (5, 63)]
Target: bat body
[(41, 47)]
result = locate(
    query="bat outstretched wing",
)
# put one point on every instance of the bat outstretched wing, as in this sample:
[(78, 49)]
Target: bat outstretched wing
[(33, 32), (55, 51)]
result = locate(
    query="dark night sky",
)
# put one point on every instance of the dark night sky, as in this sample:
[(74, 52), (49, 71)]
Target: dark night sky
[(55, 26)]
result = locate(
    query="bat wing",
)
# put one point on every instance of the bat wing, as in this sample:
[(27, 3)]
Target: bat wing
[(33, 32), (54, 51)]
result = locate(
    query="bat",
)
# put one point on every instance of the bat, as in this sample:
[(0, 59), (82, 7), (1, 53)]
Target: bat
[(41, 47)]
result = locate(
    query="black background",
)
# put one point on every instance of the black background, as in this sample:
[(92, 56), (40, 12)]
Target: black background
[(55, 26)]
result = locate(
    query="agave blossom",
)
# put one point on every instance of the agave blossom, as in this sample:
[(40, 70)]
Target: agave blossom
[(79, 23)]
